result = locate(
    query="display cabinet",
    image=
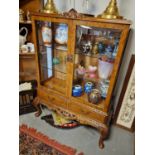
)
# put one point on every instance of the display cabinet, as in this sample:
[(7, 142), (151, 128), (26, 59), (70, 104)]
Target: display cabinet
[(77, 65)]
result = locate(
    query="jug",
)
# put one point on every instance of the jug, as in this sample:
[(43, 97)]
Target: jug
[(22, 38)]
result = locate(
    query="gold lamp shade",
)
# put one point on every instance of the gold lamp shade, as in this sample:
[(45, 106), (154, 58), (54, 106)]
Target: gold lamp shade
[(50, 7), (111, 11)]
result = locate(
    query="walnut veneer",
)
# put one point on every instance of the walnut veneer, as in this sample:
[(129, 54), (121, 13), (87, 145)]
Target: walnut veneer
[(61, 100)]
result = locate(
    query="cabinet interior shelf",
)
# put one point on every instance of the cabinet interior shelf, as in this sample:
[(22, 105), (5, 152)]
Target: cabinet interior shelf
[(59, 68), (27, 73), (26, 54), (91, 55), (56, 48), (25, 22), (84, 99)]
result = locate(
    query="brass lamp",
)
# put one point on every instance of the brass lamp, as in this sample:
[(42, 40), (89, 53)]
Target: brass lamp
[(111, 11), (49, 7)]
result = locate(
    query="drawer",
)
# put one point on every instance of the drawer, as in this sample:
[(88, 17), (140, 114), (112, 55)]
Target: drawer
[(52, 99), (86, 111)]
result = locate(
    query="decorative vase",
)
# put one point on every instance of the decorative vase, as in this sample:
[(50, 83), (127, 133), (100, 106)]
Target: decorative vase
[(104, 69), (22, 38), (92, 71), (108, 51), (88, 87), (56, 61), (47, 34), (77, 90), (61, 34), (111, 11), (101, 48), (94, 96), (103, 86), (49, 7)]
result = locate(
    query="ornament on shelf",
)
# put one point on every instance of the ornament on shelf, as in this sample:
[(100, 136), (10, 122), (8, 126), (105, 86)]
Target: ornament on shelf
[(21, 15), (72, 13), (111, 11), (49, 7), (28, 16)]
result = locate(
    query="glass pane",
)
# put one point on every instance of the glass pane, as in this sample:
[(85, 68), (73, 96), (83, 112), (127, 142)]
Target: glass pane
[(52, 41), (95, 53)]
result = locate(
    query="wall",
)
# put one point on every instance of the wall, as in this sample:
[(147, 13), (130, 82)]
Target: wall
[(126, 9)]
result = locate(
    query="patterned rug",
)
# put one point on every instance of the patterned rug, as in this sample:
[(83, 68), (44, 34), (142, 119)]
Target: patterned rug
[(32, 142)]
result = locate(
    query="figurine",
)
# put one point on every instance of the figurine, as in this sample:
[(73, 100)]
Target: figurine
[(95, 48), (28, 17)]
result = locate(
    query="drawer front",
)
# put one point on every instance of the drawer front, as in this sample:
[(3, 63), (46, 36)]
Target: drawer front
[(52, 99), (87, 111)]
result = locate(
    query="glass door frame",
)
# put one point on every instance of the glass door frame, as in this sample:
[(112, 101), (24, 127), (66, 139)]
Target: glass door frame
[(52, 20), (122, 42)]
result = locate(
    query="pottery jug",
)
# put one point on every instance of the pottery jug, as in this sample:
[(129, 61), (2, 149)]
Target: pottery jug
[(22, 38)]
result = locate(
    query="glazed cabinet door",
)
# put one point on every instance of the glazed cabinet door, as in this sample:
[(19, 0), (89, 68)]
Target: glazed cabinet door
[(51, 41), (97, 53)]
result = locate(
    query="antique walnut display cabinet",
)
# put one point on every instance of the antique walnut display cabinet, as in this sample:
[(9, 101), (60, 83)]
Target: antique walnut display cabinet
[(77, 64)]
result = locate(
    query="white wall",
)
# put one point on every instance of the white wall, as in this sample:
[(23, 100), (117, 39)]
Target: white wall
[(126, 9)]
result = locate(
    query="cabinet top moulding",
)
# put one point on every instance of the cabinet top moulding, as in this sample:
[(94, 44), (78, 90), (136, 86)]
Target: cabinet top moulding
[(85, 18)]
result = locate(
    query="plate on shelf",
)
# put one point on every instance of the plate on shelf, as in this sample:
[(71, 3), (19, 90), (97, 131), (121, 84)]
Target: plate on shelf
[(64, 48)]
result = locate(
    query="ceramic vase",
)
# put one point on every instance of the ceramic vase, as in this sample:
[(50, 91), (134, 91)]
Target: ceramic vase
[(94, 96), (77, 90), (88, 87), (104, 69)]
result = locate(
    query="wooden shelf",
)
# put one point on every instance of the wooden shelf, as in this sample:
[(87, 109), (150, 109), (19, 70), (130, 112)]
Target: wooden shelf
[(27, 73), (25, 22), (59, 68), (26, 54), (84, 100)]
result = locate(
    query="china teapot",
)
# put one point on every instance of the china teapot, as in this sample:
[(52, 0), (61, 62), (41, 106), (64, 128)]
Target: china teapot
[(22, 38)]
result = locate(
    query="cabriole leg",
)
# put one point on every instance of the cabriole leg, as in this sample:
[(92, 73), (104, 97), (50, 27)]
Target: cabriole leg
[(103, 136), (36, 103)]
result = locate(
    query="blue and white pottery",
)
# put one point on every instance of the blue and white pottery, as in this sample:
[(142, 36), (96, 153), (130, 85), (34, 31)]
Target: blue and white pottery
[(103, 87), (88, 87), (108, 51), (77, 90), (101, 47), (61, 34), (46, 34)]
